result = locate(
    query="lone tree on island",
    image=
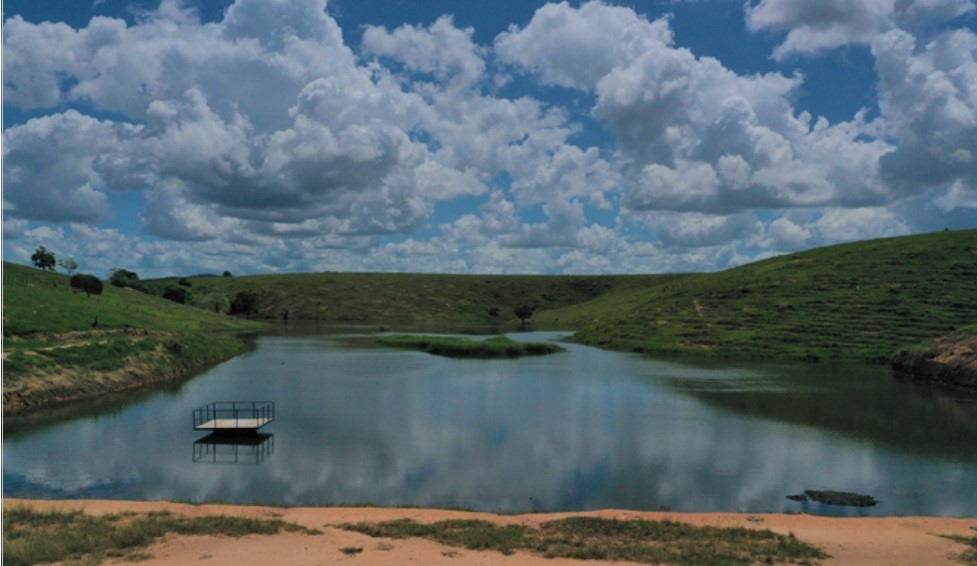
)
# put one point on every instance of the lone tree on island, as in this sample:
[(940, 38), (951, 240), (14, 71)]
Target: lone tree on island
[(87, 283), (43, 259), (524, 312)]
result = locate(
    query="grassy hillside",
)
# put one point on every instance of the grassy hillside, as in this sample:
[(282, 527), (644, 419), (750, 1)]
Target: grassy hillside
[(859, 301), (61, 345), (36, 301), (386, 298)]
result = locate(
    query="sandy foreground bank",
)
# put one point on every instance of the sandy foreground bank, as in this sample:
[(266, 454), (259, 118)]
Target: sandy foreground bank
[(891, 540)]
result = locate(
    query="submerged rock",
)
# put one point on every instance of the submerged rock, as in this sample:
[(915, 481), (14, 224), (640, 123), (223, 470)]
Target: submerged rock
[(845, 498)]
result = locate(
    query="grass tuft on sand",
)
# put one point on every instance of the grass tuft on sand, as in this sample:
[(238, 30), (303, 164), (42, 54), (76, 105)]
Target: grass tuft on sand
[(968, 556), (35, 537), (592, 538)]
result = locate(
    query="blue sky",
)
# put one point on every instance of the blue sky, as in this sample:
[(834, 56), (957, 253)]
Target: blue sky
[(258, 136)]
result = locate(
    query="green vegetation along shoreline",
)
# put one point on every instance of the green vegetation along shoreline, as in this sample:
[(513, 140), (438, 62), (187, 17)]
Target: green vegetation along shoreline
[(495, 347), (61, 345)]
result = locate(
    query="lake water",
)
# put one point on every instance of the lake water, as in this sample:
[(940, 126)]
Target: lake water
[(584, 429)]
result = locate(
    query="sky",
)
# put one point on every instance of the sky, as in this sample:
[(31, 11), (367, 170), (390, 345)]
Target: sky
[(506, 136)]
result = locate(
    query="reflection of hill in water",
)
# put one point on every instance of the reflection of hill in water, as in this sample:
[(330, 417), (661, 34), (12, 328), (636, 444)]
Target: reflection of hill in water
[(862, 402), (217, 448), (103, 406)]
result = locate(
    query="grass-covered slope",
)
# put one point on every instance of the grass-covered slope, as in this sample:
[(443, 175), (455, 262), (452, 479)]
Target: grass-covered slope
[(859, 301), (61, 345), (386, 298)]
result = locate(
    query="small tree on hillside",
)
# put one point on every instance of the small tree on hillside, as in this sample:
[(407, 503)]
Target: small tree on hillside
[(43, 259), (68, 264), (123, 277), (87, 283), (175, 294), (524, 312)]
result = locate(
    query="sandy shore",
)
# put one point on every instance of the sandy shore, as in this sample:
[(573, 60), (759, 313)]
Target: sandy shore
[(891, 540)]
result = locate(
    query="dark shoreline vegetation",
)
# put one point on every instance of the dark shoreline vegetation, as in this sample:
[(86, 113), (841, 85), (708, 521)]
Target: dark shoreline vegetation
[(859, 302), (949, 360), (495, 347)]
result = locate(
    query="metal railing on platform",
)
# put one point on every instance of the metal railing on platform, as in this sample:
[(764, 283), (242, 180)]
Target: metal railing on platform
[(233, 415)]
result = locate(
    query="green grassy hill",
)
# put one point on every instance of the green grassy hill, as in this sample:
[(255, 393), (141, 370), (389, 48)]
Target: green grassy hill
[(391, 298), (36, 301), (859, 301), (61, 345)]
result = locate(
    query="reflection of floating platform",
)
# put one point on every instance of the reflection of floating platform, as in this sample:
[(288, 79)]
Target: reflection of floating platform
[(234, 416), (223, 448)]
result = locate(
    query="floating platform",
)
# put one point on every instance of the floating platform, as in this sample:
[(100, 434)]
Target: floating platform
[(235, 417)]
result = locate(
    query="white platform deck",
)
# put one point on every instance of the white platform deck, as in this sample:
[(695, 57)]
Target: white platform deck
[(233, 424)]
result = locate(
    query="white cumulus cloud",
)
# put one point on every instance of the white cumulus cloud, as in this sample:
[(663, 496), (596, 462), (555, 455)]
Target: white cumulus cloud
[(817, 25)]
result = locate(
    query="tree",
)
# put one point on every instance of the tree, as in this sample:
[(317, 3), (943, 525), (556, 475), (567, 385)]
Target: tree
[(175, 294), (245, 302), (87, 283), (227, 274), (43, 259), (123, 277), (68, 264), (524, 312)]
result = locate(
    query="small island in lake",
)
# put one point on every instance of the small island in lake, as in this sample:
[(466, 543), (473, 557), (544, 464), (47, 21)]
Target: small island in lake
[(495, 347)]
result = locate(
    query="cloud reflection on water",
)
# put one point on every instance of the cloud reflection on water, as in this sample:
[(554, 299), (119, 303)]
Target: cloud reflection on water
[(581, 430)]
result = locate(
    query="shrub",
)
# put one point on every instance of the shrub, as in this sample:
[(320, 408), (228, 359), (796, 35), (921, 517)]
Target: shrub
[(123, 277), (175, 294), (87, 283), (245, 302)]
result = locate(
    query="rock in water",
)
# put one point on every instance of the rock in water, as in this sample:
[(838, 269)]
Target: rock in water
[(845, 498)]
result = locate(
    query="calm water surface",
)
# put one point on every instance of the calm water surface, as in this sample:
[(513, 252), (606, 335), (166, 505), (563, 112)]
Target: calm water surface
[(580, 430)]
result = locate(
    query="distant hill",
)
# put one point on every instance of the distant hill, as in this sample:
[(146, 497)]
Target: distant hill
[(399, 298), (858, 301)]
